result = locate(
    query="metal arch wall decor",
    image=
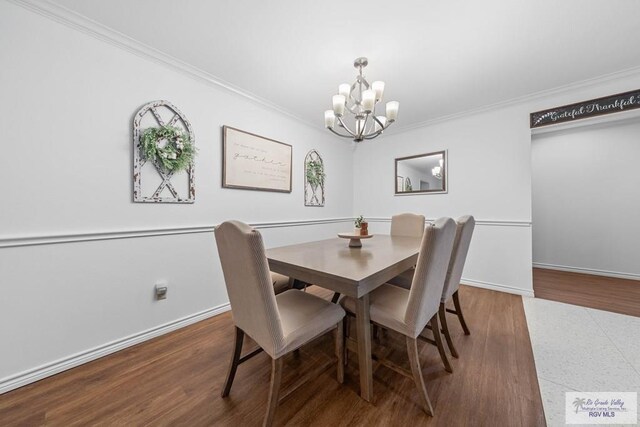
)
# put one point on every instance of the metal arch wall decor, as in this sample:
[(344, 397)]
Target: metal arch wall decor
[(313, 192), (162, 113)]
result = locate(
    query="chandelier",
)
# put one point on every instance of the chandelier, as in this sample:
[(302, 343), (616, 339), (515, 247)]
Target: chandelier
[(359, 100)]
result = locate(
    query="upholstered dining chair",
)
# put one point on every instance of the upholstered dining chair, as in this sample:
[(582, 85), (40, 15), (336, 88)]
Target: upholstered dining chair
[(464, 231), (408, 311), (280, 282), (407, 224), (279, 324)]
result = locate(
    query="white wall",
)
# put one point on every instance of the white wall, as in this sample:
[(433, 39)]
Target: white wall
[(68, 101), (586, 183), (65, 167), (489, 173)]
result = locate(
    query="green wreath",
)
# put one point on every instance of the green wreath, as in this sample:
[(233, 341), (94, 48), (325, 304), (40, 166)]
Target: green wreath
[(176, 155)]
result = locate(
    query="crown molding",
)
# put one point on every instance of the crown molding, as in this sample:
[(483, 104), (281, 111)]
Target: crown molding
[(559, 90), (76, 21)]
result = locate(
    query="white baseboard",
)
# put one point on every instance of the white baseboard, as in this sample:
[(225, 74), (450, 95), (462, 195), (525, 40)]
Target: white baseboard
[(497, 287), (36, 374), (593, 271)]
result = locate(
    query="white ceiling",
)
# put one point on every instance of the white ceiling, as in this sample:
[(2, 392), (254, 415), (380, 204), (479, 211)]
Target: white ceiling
[(437, 57)]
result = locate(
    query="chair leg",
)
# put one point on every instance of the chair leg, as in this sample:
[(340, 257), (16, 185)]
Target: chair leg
[(235, 361), (336, 297), (414, 361), (456, 303), (435, 328), (347, 332), (339, 337), (274, 391), (445, 328)]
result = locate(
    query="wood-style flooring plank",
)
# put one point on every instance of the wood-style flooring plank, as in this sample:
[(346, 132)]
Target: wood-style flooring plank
[(176, 379), (587, 290)]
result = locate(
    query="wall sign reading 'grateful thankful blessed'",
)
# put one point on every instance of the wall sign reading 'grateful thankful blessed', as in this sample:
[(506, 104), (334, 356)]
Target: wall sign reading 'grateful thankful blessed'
[(582, 110)]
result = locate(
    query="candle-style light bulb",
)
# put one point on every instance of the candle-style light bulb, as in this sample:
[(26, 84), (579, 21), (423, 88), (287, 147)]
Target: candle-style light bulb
[(345, 90), (329, 119), (378, 88), (338, 105), (392, 110), (368, 100)]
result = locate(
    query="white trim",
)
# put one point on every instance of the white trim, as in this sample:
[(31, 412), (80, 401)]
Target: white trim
[(497, 287), (592, 271), (484, 222), (92, 28), (36, 240), (106, 34), (36, 374)]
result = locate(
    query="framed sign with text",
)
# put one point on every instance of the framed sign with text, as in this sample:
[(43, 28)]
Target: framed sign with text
[(252, 162), (595, 107)]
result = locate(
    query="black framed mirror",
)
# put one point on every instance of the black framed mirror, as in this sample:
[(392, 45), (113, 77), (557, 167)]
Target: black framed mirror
[(421, 174)]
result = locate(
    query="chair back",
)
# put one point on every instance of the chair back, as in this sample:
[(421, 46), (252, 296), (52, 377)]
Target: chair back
[(464, 231), (430, 273), (407, 224), (246, 275)]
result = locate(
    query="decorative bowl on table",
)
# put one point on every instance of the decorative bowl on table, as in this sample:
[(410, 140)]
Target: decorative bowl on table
[(354, 239)]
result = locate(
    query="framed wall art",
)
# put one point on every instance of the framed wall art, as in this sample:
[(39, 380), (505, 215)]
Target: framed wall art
[(314, 177), (163, 155), (253, 162)]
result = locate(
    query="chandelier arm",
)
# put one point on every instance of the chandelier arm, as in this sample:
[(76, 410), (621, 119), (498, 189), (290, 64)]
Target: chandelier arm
[(363, 127), (339, 134), (378, 121), (372, 135), (343, 124)]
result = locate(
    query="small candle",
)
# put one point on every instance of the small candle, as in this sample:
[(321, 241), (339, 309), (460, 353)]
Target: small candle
[(329, 119), (338, 104), (344, 90), (378, 88), (392, 110), (368, 100)]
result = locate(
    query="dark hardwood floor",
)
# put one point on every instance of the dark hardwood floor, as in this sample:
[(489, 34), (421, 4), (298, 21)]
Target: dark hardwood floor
[(586, 290), (176, 379)]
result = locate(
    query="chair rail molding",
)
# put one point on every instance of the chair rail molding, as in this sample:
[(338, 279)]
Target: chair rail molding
[(49, 239), (483, 222)]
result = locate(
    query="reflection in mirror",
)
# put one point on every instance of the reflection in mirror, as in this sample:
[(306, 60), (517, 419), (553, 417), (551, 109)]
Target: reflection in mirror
[(423, 173)]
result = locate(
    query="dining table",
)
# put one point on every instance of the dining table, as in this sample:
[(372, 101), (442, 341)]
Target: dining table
[(350, 271)]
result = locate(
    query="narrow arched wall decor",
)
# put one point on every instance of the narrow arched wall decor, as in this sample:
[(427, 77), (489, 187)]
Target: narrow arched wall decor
[(314, 178), (160, 185)]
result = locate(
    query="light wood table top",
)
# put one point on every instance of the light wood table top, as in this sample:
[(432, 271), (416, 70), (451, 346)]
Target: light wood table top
[(350, 271)]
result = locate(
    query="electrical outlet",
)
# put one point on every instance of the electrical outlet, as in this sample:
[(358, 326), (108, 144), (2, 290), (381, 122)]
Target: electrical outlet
[(161, 291)]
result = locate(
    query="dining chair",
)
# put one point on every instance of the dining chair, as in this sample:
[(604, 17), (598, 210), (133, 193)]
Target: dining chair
[(464, 231), (279, 324), (407, 224), (280, 282), (408, 311)]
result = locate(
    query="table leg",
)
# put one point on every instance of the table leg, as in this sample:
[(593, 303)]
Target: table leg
[(364, 348)]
